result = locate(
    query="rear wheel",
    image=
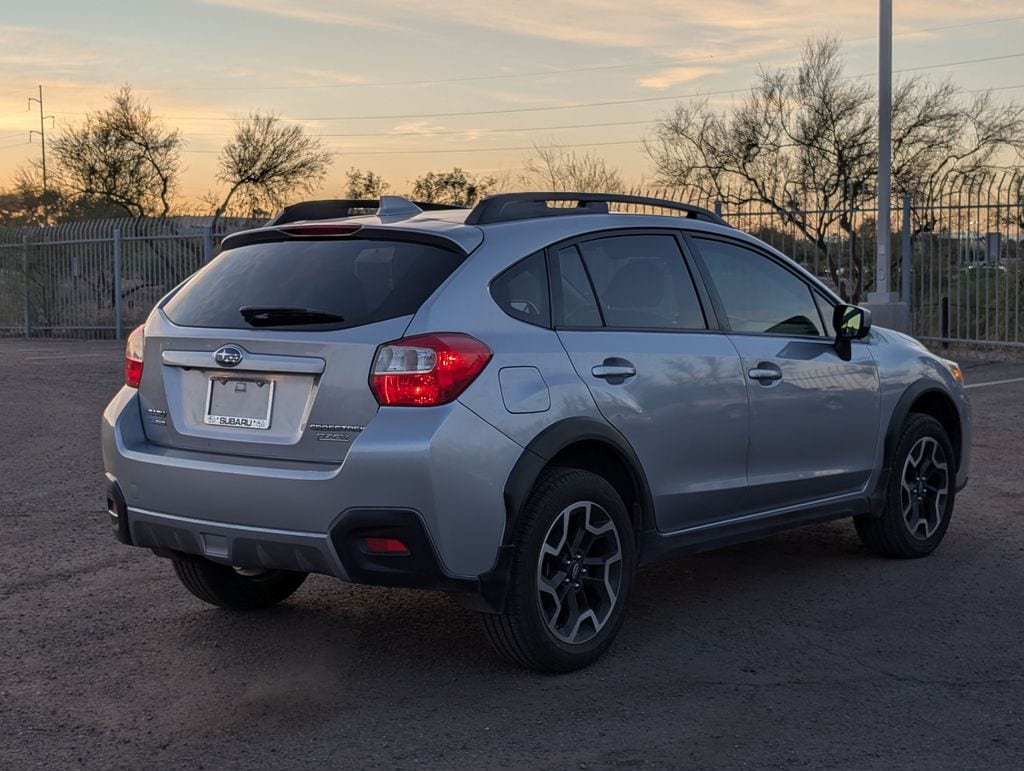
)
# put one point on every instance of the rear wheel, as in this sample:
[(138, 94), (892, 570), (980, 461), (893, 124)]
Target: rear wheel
[(571, 575), (920, 494), (233, 587)]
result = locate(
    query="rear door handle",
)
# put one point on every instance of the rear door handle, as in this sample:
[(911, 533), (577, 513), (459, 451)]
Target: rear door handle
[(765, 373), (613, 369)]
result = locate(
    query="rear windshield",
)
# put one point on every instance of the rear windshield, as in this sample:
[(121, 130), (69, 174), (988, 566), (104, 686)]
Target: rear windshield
[(360, 281)]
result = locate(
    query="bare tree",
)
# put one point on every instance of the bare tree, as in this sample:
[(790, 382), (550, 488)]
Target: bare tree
[(266, 160), (121, 155), (557, 169), (456, 187), (25, 203), (804, 142), (364, 184), (938, 136)]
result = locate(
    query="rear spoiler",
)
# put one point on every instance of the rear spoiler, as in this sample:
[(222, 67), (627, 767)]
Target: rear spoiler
[(340, 208), (321, 231)]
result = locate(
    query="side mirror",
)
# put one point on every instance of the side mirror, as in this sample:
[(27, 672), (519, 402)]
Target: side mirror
[(851, 322)]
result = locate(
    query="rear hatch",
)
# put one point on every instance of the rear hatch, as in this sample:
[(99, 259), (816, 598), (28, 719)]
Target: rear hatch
[(266, 352)]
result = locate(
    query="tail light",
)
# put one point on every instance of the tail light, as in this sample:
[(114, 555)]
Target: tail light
[(133, 357), (426, 370)]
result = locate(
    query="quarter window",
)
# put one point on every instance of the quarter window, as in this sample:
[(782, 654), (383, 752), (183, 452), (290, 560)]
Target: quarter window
[(641, 281), (522, 291), (577, 304), (758, 294)]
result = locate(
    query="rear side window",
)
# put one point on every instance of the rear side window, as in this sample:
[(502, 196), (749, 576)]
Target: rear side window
[(522, 291), (577, 303), (642, 282), (362, 281)]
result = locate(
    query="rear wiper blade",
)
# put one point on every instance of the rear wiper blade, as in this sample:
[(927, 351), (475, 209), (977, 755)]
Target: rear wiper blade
[(275, 316)]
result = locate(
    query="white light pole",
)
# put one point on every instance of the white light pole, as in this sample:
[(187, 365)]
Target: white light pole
[(884, 226)]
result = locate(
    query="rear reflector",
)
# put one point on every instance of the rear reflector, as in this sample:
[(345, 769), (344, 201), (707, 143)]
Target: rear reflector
[(426, 370), (378, 545), (133, 357)]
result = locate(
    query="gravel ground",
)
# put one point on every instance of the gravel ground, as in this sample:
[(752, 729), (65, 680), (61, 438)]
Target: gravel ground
[(800, 650)]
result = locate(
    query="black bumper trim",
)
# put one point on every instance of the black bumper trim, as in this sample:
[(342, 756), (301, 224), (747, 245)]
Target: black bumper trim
[(117, 511), (419, 569)]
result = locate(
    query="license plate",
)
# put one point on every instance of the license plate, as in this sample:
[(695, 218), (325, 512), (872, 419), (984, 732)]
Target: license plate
[(239, 402)]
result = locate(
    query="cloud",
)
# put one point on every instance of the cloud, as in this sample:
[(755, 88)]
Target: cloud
[(654, 26), (313, 12), (417, 127), (304, 76), (44, 51), (673, 76)]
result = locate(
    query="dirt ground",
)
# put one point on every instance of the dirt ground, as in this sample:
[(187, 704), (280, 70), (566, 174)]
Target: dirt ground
[(801, 650)]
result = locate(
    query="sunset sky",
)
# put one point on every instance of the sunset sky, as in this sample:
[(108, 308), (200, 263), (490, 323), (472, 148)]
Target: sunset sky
[(403, 87)]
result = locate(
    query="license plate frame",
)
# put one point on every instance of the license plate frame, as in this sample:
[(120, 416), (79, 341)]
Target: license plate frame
[(258, 422)]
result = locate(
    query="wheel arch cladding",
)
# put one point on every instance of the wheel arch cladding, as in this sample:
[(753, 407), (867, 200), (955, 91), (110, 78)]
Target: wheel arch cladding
[(586, 444), (925, 398)]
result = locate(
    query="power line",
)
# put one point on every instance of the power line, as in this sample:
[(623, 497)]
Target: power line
[(958, 64), (609, 103), (549, 128), (470, 113), (997, 88), (447, 152), (381, 134), (432, 81), (961, 25), (17, 144), (663, 62), (524, 129)]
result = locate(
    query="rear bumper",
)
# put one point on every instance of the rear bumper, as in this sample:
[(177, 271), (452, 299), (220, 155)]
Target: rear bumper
[(441, 469), (340, 553)]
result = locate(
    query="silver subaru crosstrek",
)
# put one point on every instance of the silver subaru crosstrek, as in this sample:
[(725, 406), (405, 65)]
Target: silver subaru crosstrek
[(517, 404)]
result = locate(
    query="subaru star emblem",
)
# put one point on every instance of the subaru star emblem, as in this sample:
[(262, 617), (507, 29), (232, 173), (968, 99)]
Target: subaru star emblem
[(228, 356)]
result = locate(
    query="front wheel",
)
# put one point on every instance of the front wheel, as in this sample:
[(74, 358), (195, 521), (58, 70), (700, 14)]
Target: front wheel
[(234, 587), (571, 574), (920, 494)]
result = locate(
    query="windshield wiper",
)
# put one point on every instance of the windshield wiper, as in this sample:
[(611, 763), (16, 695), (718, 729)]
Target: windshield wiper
[(279, 316)]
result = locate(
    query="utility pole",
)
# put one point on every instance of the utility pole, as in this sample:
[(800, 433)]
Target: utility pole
[(884, 146), (886, 303), (42, 130)]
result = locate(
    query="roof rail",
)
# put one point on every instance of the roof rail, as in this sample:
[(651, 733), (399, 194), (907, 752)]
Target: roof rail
[(339, 208), (509, 207)]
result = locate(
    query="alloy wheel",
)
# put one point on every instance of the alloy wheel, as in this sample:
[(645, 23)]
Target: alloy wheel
[(924, 487), (579, 572)]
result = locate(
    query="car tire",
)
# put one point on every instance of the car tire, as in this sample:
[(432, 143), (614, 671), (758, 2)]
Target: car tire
[(571, 574), (919, 494), (235, 588)]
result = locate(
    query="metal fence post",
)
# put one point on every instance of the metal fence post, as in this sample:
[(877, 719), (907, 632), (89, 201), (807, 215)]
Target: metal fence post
[(944, 321), (907, 258), (117, 284), (207, 243), (718, 208), (28, 299)]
